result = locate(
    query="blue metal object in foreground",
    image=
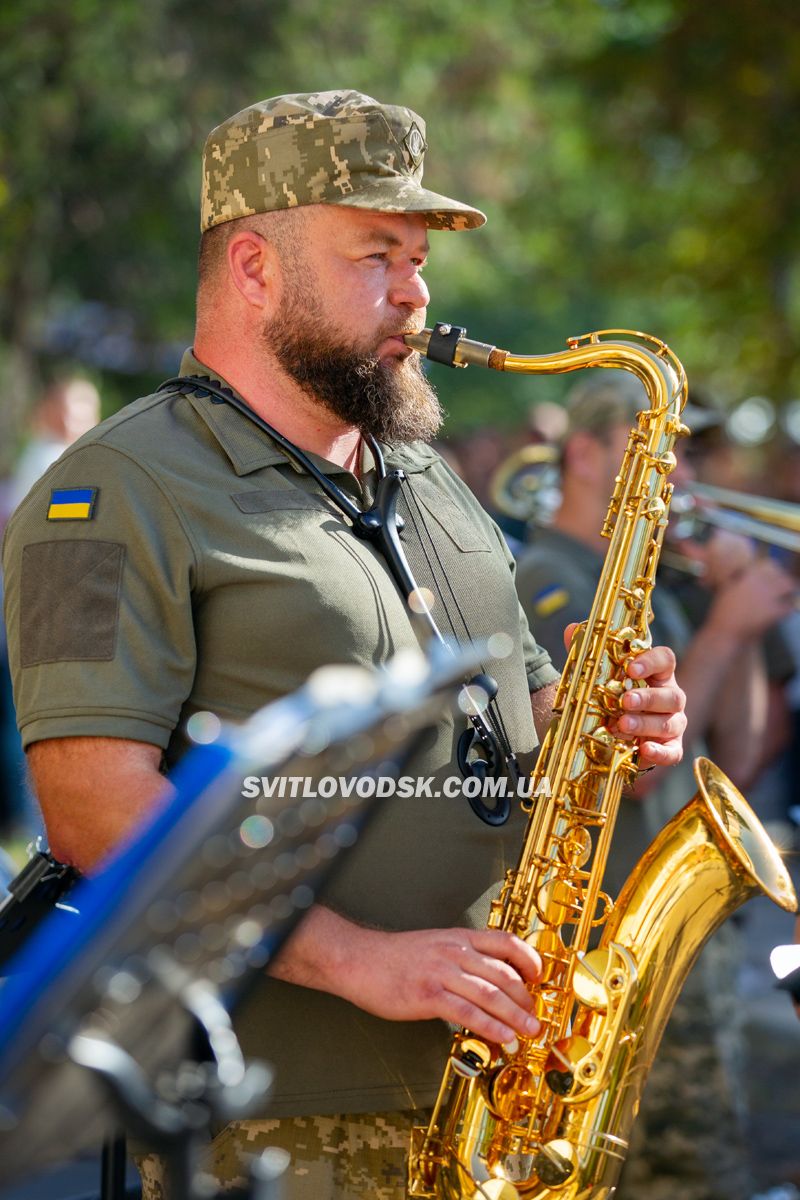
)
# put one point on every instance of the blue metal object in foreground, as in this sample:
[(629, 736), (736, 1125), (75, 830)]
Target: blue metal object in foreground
[(198, 903)]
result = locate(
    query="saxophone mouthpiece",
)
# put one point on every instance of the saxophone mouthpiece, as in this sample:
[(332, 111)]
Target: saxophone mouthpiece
[(448, 344), (418, 341)]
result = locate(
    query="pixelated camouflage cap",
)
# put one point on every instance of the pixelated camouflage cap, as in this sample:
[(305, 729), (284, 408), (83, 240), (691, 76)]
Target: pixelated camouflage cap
[(322, 148)]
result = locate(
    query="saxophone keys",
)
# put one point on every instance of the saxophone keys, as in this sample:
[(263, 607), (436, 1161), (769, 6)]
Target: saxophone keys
[(562, 1063), (599, 745), (654, 509), (611, 695), (589, 979), (620, 642), (471, 1058), (635, 597), (575, 847), (555, 1162), (551, 949), (558, 901), (495, 1189), (512, 1092)]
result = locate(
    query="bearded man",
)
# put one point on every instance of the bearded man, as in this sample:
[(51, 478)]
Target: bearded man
[(175, 560)]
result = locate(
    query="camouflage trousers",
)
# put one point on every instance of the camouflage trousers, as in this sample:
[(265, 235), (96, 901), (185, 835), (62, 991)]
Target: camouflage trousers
[(688, 1140), (358, 1156)]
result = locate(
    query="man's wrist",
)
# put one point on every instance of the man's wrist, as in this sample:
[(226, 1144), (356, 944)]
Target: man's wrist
[(720, 638)]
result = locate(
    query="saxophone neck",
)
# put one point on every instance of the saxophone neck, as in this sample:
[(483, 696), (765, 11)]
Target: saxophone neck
[(645, 356)]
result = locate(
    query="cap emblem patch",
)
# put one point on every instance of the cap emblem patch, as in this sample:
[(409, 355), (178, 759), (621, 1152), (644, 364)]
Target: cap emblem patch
[(414, 143)]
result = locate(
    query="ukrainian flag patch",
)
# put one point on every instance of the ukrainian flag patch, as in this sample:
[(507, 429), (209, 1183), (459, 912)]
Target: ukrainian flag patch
[(72, 504), (550, 600)]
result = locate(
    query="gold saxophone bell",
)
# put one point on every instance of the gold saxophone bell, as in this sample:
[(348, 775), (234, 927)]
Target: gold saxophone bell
[(551, 1117)]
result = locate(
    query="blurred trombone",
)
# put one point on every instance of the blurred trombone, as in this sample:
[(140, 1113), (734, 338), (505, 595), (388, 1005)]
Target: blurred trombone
[(773, 522), (526, 486)]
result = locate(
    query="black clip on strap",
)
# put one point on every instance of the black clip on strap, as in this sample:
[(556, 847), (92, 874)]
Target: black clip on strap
[(443, 343), (477, 758)]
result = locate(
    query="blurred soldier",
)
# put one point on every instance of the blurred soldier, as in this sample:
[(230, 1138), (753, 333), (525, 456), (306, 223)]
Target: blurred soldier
[(684, 1142), (67, 410)]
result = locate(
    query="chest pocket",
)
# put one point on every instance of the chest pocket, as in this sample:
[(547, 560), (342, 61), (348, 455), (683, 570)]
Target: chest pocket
[(452, 556), (266, 500), (462, 532)]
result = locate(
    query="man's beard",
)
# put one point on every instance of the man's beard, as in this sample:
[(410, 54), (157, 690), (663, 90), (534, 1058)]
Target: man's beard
[(391, 400)]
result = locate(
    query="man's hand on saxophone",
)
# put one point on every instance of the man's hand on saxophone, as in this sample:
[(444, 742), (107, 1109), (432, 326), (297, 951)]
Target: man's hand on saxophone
[(654, 711), (472, 977)]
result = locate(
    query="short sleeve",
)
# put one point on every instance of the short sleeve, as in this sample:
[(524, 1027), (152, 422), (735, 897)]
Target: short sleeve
[(99, 573)]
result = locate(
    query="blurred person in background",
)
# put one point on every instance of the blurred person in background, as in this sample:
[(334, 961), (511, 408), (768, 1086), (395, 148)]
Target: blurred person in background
[(684, 1142), (479, 453), (783, 475), (66, 410), (717, 558), (545, 428)]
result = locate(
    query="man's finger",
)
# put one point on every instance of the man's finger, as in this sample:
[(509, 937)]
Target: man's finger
[(660, 754), (504, 946), (501, 975), (495, 1003), (462, 1011), (664, 726), (656, 664), (569, 633), (667, 699)]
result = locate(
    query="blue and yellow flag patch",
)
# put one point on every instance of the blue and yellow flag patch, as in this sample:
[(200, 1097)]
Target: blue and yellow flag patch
[(549, 600), (72, 504)]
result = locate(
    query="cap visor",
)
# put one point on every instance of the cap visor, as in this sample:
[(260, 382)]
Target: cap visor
[(399, 195)]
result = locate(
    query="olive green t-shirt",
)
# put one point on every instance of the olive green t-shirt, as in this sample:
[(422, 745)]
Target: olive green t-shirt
[(174, 561)]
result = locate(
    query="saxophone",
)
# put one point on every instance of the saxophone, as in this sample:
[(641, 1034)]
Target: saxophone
[(550, 1116)]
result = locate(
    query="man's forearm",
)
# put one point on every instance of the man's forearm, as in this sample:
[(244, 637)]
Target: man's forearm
[(711, 658), (314, 955), (736, 735)]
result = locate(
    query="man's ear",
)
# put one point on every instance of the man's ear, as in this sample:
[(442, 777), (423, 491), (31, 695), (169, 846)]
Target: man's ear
[(254, 269)]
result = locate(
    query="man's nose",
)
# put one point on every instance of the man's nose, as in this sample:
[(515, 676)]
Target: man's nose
[(409, 290)]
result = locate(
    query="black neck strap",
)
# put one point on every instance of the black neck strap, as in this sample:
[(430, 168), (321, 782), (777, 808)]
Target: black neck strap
[(379, 525)]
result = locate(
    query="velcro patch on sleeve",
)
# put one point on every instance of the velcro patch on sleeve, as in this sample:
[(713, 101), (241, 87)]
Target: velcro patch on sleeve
[(72, 504), (550, 600), (69, 601)]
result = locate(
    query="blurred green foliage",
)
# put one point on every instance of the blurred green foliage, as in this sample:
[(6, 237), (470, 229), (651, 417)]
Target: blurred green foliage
[(637, 159)]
